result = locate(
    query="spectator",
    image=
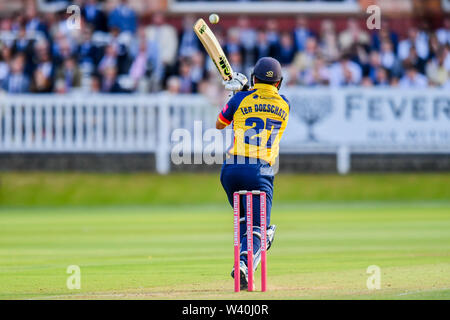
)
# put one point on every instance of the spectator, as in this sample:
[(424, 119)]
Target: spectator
[(41, 83), (301, 33), (173, 85), (198, 67), (415, 60), (165, 40), (263, 47), (394, 83), (139, 65), (247, 34), (17, 21), (318, 74), (95, 84), (60, 87), (69, 73), (436, 70), (272, 32), (150, 57), (443, 34), (5, 60), (188, 41), (151, 50), (412, 78), (353, 35), (360, 55), (88, 54), (34, 24), (286, 49), (22, 44), (61, 26), (233, 42), (187, 85), (247, 40), (123, 17), (165, 36), (53, 21), (373, 66), (109, 59), (345, 72), (120, 42), (389, 59), (6, 24), (416, 39), (17, 81), (306, 59), (292, 76), (434, 46), (447, 57), (93, 15), (381, 77), (62, 49), (384, 34), (366, 82), (236, 62), (211, 91), (43, 73), (109, 81), (328, 41)]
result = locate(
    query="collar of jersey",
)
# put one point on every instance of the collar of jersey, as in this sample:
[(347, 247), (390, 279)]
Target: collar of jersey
[(265, 86)]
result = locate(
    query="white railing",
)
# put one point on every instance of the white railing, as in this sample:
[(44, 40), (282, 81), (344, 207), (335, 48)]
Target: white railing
[(99, 123), (322, 120)]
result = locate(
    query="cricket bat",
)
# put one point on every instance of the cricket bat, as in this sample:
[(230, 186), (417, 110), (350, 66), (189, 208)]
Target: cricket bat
[(212, 46)]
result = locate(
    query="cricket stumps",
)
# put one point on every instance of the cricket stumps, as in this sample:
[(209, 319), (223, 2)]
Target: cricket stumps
[(249, 230)]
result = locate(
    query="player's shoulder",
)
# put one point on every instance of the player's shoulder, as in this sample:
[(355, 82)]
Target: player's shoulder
[(286, 100), (239, 96)]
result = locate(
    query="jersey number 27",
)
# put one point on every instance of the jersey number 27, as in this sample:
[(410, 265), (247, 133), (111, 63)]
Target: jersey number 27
[(257, 125)]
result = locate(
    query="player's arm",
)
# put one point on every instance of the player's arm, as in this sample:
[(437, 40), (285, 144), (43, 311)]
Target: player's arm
[(225, 116), (220, 125)]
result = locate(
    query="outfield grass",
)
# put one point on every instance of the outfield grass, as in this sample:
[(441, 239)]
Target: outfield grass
[(65, 189), (145, 236), (185, 251)]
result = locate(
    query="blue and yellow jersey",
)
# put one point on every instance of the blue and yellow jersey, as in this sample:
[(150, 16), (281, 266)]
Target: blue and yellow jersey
[(259, 119)]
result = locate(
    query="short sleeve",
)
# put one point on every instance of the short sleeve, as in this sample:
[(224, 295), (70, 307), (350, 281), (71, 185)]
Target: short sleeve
[(286, 100), (227, 113)]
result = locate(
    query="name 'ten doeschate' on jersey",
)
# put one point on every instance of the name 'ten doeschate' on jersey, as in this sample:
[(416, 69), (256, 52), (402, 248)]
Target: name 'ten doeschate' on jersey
[(259, 119)]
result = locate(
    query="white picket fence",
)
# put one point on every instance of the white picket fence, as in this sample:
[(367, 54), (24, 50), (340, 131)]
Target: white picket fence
[(322, 121), (99, 123)]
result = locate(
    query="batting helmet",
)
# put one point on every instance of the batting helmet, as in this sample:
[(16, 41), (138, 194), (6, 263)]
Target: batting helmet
[(268, 70)]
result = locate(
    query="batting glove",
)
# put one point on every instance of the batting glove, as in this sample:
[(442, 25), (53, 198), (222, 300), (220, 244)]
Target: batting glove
[(238, 83)]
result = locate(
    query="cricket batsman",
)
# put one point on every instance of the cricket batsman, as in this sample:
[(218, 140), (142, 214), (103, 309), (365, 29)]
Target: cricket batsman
[(259, 116)]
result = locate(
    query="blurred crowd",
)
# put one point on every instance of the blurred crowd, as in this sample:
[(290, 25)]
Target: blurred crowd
[(267, 0), (113, 53)]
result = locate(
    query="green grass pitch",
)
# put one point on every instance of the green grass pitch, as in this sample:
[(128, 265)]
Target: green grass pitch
[(129, 246), (177, 252)]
